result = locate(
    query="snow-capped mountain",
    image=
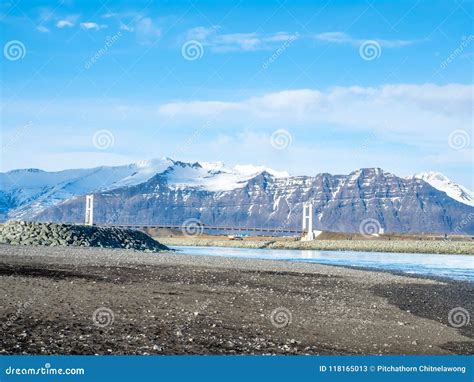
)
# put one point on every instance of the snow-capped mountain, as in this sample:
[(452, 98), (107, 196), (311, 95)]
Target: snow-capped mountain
[(164, 191), (453, 190), (25, 193)]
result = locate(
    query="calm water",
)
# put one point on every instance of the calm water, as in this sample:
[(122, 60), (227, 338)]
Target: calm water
[(459, 267)]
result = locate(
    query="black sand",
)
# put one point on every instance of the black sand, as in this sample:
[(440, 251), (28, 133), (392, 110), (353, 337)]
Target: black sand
[(177, 304)]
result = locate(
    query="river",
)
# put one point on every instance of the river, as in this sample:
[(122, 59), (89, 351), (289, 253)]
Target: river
[(457, 267)]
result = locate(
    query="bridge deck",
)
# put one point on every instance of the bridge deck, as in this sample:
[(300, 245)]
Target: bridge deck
[(206, 228)]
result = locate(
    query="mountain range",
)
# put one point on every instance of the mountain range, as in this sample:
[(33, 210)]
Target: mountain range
[(165, 191)]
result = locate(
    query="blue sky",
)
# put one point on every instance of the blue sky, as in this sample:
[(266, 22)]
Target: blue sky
[(302, 86)]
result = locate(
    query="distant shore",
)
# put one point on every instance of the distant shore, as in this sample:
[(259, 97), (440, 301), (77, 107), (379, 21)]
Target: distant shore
[(400, 246)]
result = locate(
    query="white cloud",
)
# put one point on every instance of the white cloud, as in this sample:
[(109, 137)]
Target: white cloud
[(253, 41), (67, 22), (126, 20), (109, 15), (124, 15), (202, 33), (344, 38), (199, 108), (94, 26), (64, 23), (42, 29), (402, 128), (125, 27), (403, 110)]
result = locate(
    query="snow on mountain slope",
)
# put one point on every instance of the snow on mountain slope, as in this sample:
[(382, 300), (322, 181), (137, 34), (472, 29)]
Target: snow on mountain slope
[(215, 176), (27, 192), (442, 183), (142, 171), (341, 202), (33, 189)]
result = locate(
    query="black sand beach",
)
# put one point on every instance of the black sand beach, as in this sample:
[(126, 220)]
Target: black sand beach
[(65, 300)]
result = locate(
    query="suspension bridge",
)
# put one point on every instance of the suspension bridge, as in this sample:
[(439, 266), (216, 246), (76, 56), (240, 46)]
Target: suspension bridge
[(209, 228), (194, 225)]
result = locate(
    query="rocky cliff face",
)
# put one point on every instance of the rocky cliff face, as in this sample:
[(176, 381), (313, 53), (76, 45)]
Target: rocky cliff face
[(341, 202)]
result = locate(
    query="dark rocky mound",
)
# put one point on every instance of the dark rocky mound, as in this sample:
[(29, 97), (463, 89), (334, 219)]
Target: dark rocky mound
[(52, 234)]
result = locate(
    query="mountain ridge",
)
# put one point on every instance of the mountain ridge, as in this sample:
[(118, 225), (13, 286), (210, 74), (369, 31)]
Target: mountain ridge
[(452, 189), (167, 191)]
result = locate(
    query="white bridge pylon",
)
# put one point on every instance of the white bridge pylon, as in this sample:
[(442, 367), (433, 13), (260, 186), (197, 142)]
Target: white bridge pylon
[(89, 210), (308, 221)]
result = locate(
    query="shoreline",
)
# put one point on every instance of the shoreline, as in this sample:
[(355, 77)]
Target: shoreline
[(169, 303), (395, 246), (346, 266)]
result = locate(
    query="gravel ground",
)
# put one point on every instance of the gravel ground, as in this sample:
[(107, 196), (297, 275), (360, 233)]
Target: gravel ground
[(401, 246), (68, 300)]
